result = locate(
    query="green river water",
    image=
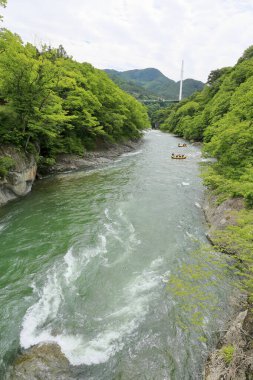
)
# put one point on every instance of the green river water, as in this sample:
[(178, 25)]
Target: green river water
[(85, 259)]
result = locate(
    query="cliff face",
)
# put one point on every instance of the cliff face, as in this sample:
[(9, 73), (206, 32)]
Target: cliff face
[(19, 180), (221, 216), (233, 357)]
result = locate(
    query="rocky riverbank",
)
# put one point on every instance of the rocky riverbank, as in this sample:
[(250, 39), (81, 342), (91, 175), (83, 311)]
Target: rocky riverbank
[(70, 162), (233, 357), (18, 182)]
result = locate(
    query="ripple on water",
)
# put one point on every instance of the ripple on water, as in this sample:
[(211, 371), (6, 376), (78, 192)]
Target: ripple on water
[(99, 248)]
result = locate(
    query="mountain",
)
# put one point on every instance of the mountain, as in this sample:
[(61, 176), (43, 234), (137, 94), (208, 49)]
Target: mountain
[(130, 85), (150, 83)]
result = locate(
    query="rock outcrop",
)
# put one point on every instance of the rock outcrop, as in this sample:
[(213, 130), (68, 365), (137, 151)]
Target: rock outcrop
[(43, 361), (233, 358), (19, 180), (220, 216), (69, 162)]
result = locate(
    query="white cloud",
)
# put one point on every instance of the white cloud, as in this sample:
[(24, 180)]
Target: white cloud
[(127, 34)]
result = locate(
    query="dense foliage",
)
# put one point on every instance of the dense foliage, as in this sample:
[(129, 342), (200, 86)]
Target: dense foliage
[(53, 104), (221, 116), (3, 4), (130, 86), (152, 88)]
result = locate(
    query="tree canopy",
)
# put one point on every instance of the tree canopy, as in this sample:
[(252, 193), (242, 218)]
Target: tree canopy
[(53, 103), (221, 116), (3, 3)]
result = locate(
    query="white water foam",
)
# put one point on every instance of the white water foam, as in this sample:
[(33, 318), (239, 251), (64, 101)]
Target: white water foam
[(121, 322), (3, 227), (143, 283), (209, 159), (107, 214), (120, 230), (165, 277), (76, 264), (39, 313), (50, 297), (157, 263), (111, 329), (185, 183), (132, 153)]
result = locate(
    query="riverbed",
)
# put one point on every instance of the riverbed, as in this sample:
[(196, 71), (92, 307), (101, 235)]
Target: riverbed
[(86, 261)]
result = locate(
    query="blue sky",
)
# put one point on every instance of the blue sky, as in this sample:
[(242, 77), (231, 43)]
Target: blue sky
[(128, 34)]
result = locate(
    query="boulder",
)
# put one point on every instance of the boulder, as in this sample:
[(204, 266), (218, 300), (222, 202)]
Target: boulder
[(19, 180), (43, 362)]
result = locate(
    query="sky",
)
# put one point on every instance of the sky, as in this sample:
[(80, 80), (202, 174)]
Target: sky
[(135, 34)]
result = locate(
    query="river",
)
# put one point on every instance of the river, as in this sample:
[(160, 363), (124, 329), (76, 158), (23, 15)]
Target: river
[(85, 261)]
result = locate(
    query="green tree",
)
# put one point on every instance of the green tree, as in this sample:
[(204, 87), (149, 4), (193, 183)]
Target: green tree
[(3, 3), (50, 101)]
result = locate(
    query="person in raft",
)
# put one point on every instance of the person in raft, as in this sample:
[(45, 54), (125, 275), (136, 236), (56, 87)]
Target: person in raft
[(177, 155)]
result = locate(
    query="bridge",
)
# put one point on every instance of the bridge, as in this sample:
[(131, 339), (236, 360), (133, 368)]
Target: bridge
[(158, 101), (169, 101)]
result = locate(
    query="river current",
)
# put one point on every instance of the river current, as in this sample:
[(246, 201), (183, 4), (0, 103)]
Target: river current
[(85, 262)]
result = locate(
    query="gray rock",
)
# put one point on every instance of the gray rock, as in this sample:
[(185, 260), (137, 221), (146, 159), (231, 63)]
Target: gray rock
[(41, 362), (240, 366), (220, 216), (239, 336), (66, 162), (20, 179)]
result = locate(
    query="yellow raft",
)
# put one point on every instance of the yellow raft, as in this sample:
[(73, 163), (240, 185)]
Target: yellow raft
[(178, 156), (182, 145)]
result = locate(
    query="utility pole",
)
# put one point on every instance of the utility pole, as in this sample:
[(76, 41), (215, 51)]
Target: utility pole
[(181, 82)]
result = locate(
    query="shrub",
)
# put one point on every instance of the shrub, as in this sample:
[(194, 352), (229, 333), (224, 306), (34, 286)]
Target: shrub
[(227, 353), (249, 199), (6, 164), (46, 162)]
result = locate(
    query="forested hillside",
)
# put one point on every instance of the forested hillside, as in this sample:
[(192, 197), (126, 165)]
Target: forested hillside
[(221, 116), (51, 104), (131, 86), (150, 82)]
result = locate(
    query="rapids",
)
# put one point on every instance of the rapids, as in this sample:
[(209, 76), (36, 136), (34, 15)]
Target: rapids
[(85, 260)]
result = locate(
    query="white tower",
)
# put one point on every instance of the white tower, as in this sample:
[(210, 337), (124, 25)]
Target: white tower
[(181, 82)]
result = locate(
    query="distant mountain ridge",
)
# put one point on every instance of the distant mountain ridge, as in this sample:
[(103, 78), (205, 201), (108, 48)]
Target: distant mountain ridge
[(151, 83)]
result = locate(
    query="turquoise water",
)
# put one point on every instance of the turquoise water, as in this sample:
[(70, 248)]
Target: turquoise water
[(85, 259)]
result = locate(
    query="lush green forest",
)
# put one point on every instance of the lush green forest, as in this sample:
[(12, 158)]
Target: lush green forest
[(51, 104), (151, 87), (150, 83), (130, 86), (221, 116)]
